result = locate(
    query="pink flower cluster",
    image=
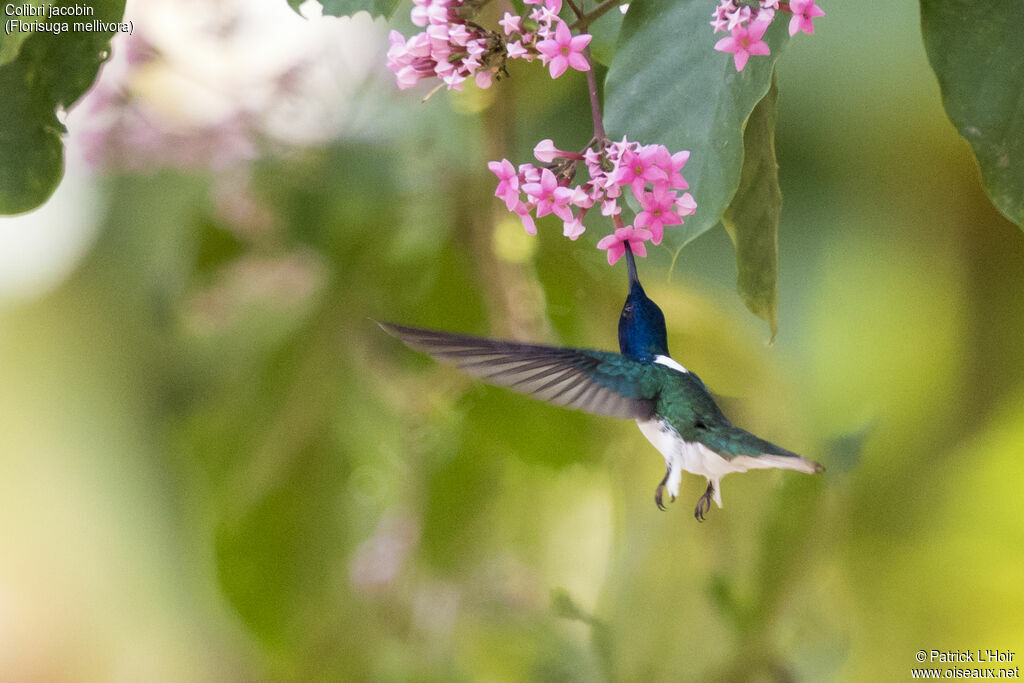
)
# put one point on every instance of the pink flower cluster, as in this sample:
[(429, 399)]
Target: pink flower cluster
[(551, 39), (748, 22), (453, 48), (450, 48), (533, 192)]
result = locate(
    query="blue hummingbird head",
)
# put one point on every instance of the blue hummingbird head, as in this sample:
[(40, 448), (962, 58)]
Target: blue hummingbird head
[(641, 324)]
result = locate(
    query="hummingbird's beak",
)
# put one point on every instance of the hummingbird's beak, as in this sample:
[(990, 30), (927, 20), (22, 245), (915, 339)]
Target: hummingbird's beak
[(631, 262)]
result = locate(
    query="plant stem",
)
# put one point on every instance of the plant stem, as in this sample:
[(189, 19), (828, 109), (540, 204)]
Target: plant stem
[(585, 20), (595, 102)]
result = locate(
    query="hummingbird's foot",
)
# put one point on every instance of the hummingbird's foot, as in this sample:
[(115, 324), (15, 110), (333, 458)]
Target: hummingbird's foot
[(661, 488), (704, 503)]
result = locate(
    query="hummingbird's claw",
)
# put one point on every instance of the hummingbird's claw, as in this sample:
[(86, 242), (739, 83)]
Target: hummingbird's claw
[(658, 492), (704, 503)]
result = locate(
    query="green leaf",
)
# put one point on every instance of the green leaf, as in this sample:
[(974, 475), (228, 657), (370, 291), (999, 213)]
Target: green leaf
[(605, 31), (668, 85), (346, 8), (846, 450), (752, 219), (295, 4), (974, 47), (563, 605), (10, 44), (51, 71)]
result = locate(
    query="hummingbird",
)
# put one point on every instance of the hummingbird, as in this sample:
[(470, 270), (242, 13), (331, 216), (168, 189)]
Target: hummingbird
[(672, 406)]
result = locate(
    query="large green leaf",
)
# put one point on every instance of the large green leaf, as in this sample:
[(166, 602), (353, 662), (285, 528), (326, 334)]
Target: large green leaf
[(10, 44), (752, 219), (346, 8), (668, 85), (974, 46), (51, 71)]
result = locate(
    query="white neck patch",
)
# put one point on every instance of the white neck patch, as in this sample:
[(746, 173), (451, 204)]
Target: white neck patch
[(668, 362)]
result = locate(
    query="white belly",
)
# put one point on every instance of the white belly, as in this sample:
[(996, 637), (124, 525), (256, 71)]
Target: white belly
[(696, 458), (693, 457)]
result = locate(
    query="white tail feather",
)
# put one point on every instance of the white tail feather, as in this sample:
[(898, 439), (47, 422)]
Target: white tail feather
[(742, 463)]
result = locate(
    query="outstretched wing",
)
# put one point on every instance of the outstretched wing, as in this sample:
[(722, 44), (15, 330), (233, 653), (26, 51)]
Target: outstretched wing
[(596, 382)]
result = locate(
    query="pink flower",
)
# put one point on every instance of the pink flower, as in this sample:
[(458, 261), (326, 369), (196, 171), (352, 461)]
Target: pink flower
[(574, 228), (804, 12), (686, 205), (457, 34), (544, 18), (636, 169), (615, 243), (564, 51), (658, 211), (508, 182), (410, 60), (437, 35), (511, 23), (529, 173), (437, 13), (516, 50), (522, 209), (580, 197), (549, 197), (454, 80), (745, 42), (738, 17), (545, 151), (419, 12), (610, 207), (675, 178), (484, 79), (720, 17), (533, 192), (542, 189), (671, 164), (450, 48)]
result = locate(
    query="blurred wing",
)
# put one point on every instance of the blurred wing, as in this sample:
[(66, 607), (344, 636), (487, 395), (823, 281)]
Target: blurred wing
[(595, 382)]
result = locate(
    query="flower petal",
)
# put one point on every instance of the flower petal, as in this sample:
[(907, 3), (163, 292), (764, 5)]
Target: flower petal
[(578, 62), (728, 44), (579, 42), (558, 66)]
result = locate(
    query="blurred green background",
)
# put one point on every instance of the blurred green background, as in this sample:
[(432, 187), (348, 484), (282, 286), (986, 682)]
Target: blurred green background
[(214, 466)]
